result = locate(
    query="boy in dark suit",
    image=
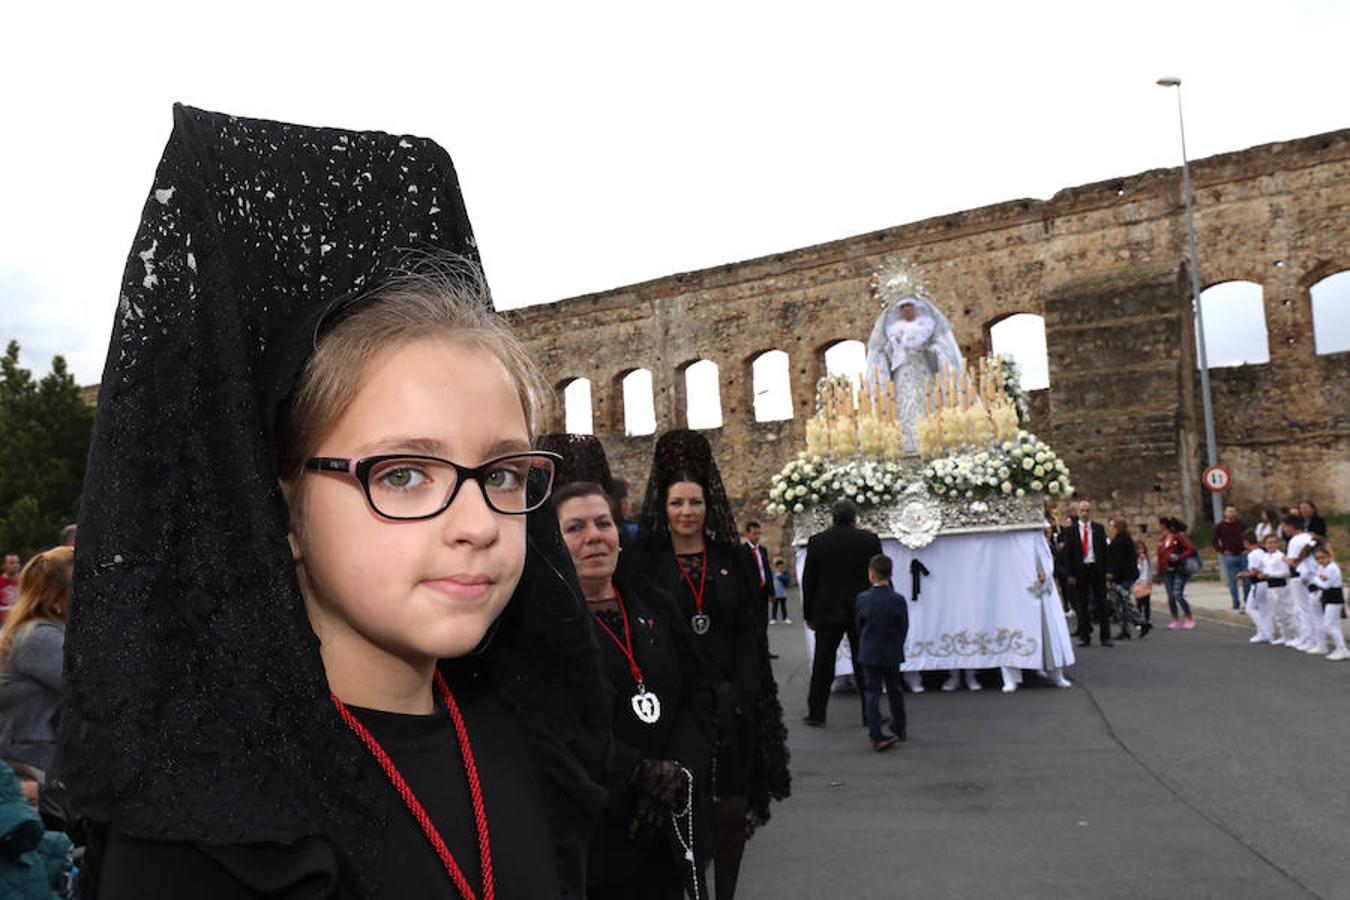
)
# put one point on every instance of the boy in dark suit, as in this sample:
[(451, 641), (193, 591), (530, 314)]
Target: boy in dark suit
[(883, 624)]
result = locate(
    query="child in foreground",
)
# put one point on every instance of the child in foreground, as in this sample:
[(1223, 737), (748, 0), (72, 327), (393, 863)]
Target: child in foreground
[(1331, 592), (329, 642), (883, 625)]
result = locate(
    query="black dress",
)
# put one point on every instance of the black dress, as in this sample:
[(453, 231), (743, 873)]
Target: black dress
[(426, 753), (663, 645), (732, 646)]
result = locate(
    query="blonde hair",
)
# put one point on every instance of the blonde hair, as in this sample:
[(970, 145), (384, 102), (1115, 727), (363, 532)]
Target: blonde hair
[(442, 297), (44, 594)]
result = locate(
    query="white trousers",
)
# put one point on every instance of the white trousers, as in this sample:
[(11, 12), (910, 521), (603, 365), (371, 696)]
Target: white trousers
[(1259, 609), (1309, 612), (1282, 609), (1331, 627)]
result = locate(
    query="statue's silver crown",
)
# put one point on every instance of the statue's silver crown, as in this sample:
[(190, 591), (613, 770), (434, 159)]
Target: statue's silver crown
[(895, 278)]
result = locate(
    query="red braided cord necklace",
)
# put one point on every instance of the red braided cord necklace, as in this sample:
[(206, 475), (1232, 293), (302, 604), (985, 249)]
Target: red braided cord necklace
[(626, 645), (414, 805), (702, 581)]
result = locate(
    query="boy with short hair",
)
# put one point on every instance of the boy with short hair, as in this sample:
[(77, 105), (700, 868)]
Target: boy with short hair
[(1275, 574), (1303, 567), (883, 625), (1258, 596)]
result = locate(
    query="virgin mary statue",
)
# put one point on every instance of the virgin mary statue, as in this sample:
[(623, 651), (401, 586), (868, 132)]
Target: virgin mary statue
[(911, 342)]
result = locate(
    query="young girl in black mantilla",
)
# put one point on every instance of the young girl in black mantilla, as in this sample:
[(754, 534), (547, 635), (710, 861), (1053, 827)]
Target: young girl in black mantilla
[(330, 645), (692, 548)]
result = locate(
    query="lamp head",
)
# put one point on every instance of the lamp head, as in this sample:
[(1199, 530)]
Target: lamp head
[(1169, 81)]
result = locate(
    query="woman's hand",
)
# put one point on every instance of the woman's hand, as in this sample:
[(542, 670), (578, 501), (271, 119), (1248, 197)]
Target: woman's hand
[(662, 786)]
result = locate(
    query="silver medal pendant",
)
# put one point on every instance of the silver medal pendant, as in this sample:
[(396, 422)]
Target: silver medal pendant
[(646, 706), (701, 623)]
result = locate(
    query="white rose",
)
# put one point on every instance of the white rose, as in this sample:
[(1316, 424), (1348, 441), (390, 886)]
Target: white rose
[(1054, 487), (1039, 471), (1006, 487), (815, 498), (1036, 486), (1021, 493), (1028, 463), (941, 489), (798, 508)]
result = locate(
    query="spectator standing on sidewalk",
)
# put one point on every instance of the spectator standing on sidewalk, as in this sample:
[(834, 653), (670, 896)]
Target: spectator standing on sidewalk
[(1269, 524), (780, 593), (1312, 519), (1228, 541), (1177, 562)]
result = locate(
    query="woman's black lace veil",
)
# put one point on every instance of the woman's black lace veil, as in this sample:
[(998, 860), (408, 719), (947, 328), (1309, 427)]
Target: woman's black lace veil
[(683, 454), (196, 704)]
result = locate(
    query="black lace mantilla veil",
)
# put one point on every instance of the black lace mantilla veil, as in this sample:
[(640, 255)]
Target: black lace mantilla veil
[(196, 702), (685, 453), (681, 453), (583, 459)]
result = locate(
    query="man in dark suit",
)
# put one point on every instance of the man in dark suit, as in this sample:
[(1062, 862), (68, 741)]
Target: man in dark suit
[(1085, 559), (883, 625), (756, 564), (834, 575)]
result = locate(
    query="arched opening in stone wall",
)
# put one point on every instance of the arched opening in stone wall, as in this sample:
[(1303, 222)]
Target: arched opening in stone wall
[(770, 377), (639, 403), (1331, 313), (578, 417), (1235, 324), (1021, 337), (703, 395), (847, 358)]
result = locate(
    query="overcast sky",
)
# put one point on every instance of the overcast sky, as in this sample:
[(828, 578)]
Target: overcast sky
[(604, 144)]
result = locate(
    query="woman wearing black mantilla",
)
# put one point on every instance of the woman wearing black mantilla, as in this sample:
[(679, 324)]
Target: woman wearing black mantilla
[(691, 550), (312, 656), (652, 842)]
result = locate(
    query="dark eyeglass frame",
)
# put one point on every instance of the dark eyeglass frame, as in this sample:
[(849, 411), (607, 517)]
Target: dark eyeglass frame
[(359, 468)]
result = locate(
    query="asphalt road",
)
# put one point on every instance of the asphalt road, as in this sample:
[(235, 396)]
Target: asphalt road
[(1187, 765)]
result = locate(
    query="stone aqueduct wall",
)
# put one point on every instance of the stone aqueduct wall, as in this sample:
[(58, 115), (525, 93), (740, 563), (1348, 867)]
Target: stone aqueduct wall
[(1103, 263)]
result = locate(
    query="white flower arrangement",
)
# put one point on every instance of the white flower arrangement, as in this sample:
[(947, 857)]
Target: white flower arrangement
[(1016, 467), (810, 480)]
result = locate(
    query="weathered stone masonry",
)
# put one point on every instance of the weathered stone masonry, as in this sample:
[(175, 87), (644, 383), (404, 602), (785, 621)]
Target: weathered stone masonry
[(1105, 264)]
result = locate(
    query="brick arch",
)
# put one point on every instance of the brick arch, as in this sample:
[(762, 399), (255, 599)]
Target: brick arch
[(1328, 339), (1218, 321), (1319, 271), (749, 387), (619, 412)]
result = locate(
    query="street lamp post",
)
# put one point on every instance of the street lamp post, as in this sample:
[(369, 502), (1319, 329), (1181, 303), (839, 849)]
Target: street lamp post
[(1211, 443)]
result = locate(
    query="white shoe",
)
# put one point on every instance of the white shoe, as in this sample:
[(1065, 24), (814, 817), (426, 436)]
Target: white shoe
[(1063, 682), (952, 683), (1316, 651), (773, 621), (787, 621), (1338, 655), (1258, 639), (1305, 646), (972, 684), (1010, 688)]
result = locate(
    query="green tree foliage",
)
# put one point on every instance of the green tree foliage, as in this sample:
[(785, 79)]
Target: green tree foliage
[(44, 439)]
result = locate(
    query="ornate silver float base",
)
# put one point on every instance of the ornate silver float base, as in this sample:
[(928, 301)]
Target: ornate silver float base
[(918, 517)]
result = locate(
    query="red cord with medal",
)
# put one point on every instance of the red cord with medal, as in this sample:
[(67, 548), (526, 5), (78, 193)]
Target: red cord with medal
[(415, 806), (646, 705), (700, 621)]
